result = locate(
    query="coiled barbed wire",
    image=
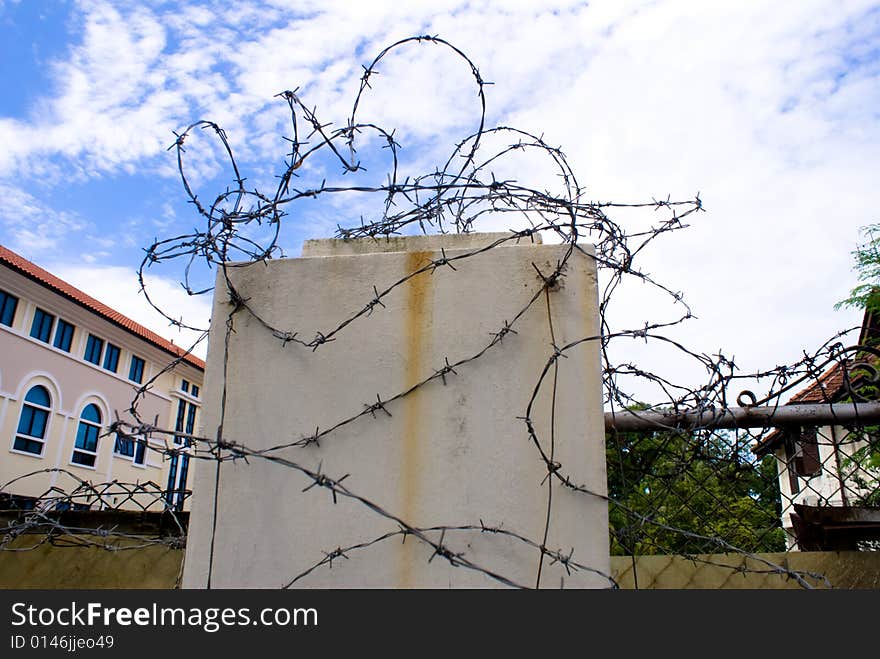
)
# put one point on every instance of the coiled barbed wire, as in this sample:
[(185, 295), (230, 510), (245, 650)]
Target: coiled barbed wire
[(242, 226)]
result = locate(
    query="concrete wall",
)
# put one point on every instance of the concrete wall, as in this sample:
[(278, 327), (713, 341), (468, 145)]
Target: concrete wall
[(447, 455), (56, 567)]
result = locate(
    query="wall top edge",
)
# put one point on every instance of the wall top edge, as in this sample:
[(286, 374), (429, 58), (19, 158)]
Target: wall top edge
[(354, 246)]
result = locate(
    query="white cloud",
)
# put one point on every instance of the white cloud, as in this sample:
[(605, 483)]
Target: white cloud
[(768, 109), (30, 226), (685, 98)]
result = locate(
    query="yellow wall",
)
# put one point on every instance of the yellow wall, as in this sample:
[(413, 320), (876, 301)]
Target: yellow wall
[(158, 566), (846, 570), (50, 566)]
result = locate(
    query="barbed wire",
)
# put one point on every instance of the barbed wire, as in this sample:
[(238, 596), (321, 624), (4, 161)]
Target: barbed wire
[(242, 227), (50, 517)]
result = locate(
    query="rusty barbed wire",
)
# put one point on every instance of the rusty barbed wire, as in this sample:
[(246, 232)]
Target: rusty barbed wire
[(242, 227)]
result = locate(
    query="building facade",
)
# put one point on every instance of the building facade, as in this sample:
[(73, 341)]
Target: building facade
[(829, 476), (817, 466), (69, 367)]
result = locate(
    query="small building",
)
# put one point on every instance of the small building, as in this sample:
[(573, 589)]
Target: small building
[(829, 481), (69, 367)]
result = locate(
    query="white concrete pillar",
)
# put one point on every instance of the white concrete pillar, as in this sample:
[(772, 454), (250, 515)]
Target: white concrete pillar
[(444, 455)]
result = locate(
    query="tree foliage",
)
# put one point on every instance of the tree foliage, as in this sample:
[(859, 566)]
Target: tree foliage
[(675, 492), (863, 466), (867, 265)]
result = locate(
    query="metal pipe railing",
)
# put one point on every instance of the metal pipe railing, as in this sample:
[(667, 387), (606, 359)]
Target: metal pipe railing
[(811, 414)]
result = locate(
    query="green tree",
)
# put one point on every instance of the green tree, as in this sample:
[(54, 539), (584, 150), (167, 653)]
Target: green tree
[(867, 265), (671, 487), (863, 466)]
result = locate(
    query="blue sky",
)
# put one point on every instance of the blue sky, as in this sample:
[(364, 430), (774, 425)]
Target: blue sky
[(768, 109)]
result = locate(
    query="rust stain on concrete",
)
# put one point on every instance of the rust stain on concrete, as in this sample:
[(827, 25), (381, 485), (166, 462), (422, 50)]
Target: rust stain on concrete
[(418, 322)]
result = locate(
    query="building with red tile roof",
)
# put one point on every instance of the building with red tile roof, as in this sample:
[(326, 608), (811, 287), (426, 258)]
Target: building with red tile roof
[(825, 476), (18, 263), (71, 365)]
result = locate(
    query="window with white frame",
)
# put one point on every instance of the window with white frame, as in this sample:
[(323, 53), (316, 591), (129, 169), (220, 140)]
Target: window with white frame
[(41, 327), (179, 467), (136, 369), (111, 357), (85, 450), (63, 335), (8, 304), (94, 348), (30, 437), (130, 447)]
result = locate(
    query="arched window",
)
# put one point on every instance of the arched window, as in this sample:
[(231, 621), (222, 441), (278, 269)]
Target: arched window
[(85, 451), (31, 434)]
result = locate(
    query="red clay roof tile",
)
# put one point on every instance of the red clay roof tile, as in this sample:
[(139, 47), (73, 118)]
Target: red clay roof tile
[(826, 387), (35, 272)]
